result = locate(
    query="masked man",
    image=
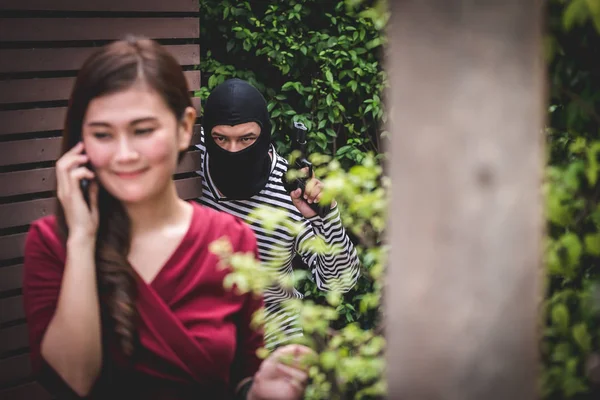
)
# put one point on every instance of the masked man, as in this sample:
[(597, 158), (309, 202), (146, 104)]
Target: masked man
[(242, 171)]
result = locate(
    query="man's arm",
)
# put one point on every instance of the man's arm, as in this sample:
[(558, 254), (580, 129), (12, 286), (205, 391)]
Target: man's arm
[(327, 250)]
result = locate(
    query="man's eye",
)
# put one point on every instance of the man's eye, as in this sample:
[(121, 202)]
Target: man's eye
[(219, 138), (248, 139)]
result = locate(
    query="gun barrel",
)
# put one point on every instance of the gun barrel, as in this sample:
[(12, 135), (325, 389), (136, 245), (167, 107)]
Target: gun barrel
[(300, 132)]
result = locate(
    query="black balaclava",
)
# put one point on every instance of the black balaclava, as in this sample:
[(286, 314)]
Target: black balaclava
[(242, 174)]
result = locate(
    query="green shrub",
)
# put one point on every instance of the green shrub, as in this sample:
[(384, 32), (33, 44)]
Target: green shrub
[(572, 191), (320, 62), (317, 62)]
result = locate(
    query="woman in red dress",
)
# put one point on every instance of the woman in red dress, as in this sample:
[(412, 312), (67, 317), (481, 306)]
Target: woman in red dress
[(122, 296)]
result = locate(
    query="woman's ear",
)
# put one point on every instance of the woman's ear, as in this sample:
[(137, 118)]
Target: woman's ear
[(186, 128)]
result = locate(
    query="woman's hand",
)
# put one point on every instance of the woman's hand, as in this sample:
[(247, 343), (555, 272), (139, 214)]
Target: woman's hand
[(70, 170), (276, 380)]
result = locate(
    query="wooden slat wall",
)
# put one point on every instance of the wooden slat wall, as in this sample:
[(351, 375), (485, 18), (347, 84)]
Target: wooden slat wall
[(42, 46)]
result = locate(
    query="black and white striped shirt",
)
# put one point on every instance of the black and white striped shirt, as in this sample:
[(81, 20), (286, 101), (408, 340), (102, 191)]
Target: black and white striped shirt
[(339, 271)]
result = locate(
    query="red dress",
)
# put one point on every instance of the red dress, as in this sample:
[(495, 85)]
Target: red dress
[(195, 339)]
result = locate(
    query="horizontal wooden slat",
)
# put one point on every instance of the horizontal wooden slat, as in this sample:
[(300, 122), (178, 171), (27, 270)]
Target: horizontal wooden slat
[(11, 309), (53, 29), (32, 151), (71, 59), (11, 246), (40, 119), (29, 151), (11, 277), (24, 182), (22, 213), (30, 391), (13, 338), (189, 188), (190, 162), (33, 120), (14, 368), (50, 89), (105, 5)]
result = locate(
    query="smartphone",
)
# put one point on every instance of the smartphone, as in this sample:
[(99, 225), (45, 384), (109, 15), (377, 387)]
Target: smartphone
[(84, 185)]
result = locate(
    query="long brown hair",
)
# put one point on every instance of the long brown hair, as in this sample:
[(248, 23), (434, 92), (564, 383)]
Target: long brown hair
[(111, 69)]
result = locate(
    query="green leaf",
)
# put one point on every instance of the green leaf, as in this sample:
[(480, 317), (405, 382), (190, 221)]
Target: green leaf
[(582, 337), (328, 360), (329, 76), (230, 45), (592, 244), (594, 7), (562, 352), (212, 81), (560, 317), (353, 85), (578, 146), (575, 13), (571, 243), (592, 158)]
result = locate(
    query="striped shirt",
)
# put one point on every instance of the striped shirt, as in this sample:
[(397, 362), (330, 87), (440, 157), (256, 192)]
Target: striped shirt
[(339, 270)]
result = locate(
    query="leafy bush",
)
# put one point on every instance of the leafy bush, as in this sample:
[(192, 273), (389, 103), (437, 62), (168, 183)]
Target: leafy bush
[(319, 62), (572, 190), (349, 362), (316, 62)]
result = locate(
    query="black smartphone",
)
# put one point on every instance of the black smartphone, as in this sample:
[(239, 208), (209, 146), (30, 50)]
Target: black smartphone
[(84, 185)]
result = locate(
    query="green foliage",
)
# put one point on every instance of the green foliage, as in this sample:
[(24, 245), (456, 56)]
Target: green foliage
[(572, 191), (316, 62), (320, 63), (350, 362)]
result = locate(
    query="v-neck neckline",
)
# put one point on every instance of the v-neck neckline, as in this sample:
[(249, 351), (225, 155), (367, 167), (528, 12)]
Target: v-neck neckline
[(175, 255)]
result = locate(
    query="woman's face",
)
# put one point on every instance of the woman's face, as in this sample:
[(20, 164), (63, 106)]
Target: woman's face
[(133, 140)]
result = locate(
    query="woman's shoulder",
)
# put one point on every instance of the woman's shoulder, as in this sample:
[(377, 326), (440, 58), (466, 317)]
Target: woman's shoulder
[(45, 228), (44, 240)]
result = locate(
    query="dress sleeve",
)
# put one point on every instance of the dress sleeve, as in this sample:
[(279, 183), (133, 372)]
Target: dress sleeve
[(249, 338), (42, 276)]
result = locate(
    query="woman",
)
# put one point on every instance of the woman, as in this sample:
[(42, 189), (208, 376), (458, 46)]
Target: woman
[(123, 298)]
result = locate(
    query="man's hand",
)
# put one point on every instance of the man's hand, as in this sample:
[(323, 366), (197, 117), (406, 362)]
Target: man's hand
[(312, 194)]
